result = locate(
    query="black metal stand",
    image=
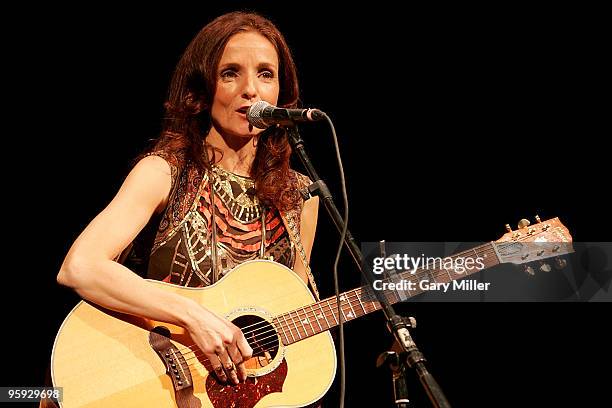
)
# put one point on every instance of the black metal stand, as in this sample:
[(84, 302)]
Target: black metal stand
[(413, 358), (396, 323), (391, 360)]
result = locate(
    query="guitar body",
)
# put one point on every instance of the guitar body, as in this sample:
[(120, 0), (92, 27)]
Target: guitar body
[(102, 358)]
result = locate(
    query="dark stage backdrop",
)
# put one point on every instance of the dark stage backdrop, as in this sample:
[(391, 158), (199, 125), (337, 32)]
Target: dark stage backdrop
[(452, 122)]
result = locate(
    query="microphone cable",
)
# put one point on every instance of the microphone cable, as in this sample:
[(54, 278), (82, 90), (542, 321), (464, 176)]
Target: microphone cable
[(336, 285)]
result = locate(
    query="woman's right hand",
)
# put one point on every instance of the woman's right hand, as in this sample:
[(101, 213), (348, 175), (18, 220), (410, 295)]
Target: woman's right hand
[(223, 344)]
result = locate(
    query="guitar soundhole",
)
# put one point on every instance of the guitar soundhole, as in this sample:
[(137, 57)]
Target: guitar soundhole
[(262, 338)]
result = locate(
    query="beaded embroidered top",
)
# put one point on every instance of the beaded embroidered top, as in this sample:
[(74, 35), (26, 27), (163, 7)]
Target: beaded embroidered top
[(181, 252)]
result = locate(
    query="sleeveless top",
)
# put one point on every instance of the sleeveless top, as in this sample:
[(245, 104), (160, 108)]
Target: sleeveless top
[(181, 250)]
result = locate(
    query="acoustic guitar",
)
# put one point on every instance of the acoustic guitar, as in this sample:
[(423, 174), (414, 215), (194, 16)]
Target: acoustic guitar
[(103, 358)]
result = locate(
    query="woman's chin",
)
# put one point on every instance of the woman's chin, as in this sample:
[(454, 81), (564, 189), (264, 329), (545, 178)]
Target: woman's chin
[(240, 135), (248, 131)]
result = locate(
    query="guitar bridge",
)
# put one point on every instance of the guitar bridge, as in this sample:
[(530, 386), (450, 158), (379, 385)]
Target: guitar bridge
[(176, 366)]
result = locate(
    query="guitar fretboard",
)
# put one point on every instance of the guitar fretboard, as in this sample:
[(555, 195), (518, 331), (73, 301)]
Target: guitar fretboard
[(315, 318)]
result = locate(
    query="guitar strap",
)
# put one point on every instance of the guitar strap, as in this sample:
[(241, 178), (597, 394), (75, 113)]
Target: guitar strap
[(291, 220), (214, 259)]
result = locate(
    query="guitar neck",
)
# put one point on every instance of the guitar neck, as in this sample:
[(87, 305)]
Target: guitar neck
[(315, 318)]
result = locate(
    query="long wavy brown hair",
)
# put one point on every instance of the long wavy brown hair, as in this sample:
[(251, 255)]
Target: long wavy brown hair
[(187, 119)]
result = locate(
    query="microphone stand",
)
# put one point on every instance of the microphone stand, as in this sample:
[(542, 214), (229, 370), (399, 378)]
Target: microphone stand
[(396, 324), (392, 360)]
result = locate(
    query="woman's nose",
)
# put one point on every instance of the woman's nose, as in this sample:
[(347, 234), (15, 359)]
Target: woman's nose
[(249, 88)]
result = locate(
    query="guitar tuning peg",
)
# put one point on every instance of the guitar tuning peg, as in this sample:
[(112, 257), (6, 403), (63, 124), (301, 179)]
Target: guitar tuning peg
[(524, 223), (545, 267), (537, 218), (560, 263), (529, 271)]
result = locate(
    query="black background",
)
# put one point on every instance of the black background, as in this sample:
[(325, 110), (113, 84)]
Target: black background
[(452, 122)]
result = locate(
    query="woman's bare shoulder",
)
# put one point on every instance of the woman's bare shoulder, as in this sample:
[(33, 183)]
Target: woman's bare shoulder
[(150, 179)]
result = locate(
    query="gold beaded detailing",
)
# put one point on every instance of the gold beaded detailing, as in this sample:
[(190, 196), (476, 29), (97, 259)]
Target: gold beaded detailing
[(184, 251), (238, 195), (235, 192)]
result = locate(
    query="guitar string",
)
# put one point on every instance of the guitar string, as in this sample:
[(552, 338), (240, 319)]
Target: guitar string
[(276, 334), (352, 295), (356, 293), (485, 249), (353, 299), (416, 275), (261, 346)]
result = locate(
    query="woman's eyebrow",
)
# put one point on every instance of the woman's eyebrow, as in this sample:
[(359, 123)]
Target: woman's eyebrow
[(268, 65), (234, 65), (237, 66)]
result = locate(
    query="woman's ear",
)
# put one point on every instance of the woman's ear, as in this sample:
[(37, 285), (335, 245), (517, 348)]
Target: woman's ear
[(197, 105), (202, 106)]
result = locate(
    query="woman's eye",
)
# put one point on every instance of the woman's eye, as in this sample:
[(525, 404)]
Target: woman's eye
[(228, 74), (267, 74)]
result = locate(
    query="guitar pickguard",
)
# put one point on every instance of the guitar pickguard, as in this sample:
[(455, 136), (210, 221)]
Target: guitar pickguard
[(247, 394)]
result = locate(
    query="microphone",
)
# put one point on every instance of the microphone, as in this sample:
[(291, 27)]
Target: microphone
[(263, 115)]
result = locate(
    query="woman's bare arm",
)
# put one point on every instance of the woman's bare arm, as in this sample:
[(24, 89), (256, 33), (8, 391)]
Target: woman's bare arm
[(90, 270)]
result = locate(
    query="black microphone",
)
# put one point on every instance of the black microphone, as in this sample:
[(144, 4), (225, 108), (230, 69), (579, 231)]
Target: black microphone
[(263, 115)]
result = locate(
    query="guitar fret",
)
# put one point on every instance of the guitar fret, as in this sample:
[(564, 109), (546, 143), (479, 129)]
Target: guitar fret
[(314, 315), (324, 316), (342, 309), (296, 328), (282, 329), (450, 278), (297, 312), (360, 303), (287, 324), (332, 311), (354, 315), (309, 320)]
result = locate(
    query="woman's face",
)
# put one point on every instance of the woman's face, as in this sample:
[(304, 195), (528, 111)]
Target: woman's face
[(247, 73)]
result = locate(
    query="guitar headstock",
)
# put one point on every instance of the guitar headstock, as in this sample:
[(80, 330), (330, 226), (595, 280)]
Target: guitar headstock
[(542, 240)]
